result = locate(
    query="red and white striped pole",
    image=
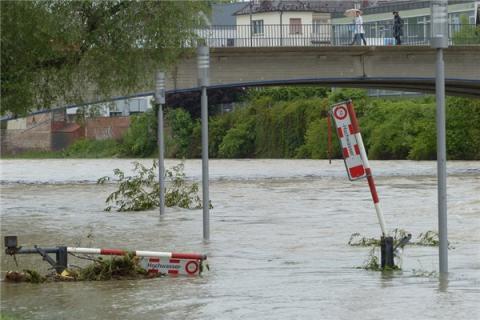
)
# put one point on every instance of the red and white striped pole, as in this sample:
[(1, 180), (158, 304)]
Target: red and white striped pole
[(120, 252), (368, 171)]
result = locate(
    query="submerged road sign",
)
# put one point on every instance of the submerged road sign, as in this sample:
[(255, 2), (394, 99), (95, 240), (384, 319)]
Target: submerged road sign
[(354, 153), (348, 141)]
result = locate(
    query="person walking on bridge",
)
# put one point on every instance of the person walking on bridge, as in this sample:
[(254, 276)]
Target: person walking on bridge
[(359, 31), (397, 28)]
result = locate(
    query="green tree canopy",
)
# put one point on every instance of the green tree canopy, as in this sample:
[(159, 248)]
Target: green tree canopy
[(65, 51)]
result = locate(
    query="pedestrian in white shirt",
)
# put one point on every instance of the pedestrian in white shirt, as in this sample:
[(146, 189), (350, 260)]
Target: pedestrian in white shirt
[(359, 31)]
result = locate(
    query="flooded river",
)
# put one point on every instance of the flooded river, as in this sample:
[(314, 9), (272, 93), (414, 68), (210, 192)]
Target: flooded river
[(278, 249)]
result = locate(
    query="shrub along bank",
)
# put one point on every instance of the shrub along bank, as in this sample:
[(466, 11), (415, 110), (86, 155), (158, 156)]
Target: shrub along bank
[(274, 125), (292, 123)]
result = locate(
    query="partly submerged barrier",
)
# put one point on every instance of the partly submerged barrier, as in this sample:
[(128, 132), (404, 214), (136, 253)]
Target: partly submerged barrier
[(154, 262)]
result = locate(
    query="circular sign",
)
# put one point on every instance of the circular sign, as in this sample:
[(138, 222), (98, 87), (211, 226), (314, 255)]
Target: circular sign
[(191, 267), (340, 113)]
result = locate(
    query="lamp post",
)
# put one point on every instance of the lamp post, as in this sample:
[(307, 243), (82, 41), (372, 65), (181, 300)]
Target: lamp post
[(439, 41), (160, 100), (203, 81)]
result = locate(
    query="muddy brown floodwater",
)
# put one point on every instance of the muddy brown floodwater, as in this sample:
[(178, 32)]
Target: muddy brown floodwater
[(278, 249)]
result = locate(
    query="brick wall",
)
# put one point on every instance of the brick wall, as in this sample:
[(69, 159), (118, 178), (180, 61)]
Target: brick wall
[(42, 133), (106, 128), (30, 133)]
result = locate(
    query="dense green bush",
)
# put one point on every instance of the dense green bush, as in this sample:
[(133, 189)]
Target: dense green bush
[(181, 128), (239, 141), (467, 33), (217, 129), (140, 140), (463, 130), (85, 148), (287, 93), (392, 128)]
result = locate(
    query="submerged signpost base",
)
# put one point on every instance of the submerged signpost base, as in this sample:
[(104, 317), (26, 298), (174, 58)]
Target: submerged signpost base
[(386, 249)]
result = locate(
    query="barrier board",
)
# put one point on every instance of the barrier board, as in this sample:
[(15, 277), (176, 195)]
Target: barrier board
[(188, 267)]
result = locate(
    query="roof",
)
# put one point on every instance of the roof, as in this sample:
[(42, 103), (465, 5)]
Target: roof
[(327, 6), (223, 14)]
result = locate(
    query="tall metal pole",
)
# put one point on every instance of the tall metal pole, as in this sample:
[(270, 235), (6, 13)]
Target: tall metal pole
[(441, 162), (160, 100), (439, 40), (203, 81)]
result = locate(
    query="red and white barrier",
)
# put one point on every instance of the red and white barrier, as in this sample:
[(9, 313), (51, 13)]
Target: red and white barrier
[(172, 263), (353, 151), (188, 267)]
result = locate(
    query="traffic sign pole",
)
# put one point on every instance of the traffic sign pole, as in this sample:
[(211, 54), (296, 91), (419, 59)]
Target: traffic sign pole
[(354, 154), (368, 170)]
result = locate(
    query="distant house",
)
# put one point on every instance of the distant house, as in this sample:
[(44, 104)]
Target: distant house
[(283, 23), (272, 23)]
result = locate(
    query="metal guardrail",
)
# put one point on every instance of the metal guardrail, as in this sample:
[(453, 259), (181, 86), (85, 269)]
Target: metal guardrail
[(327, 35)]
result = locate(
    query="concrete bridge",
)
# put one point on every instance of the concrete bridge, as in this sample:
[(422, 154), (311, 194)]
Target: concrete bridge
[(408, 68)]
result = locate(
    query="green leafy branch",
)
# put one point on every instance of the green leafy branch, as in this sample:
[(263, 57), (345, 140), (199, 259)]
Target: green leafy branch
[(141, 191)]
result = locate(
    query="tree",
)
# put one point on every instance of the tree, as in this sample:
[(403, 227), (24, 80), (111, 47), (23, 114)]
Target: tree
[(66, 51)]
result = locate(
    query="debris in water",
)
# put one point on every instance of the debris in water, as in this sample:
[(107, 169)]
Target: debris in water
[(124, 267), (31, 276), (429, 239)]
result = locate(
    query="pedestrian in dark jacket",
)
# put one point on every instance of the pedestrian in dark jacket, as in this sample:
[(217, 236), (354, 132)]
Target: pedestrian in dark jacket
[(397, 28)]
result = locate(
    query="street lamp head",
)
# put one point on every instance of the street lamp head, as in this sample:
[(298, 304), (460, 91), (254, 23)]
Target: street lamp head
[(439, 24), (160, 88), (203, 65)]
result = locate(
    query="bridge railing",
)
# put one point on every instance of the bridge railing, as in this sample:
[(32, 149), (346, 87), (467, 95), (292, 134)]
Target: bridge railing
[(315, 35)]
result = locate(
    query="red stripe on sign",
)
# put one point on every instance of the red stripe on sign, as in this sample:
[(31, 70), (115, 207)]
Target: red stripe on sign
[(357, 171), (340, 132), (194, 256), (345, 152), (152, 271), (113, 252), (154, 259), (174, 260), (357, 149), (350, 129), (373, 190), (172, 271)]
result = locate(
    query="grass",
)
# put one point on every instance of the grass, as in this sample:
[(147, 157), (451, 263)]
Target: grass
[(7, 317), (82, 148)]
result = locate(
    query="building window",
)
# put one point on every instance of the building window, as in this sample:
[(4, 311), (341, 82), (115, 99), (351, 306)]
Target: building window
[(257, 26), (320, 25), (295, 26)]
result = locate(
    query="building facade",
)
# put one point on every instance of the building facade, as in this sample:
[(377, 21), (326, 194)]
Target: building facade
[(271, 23)]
